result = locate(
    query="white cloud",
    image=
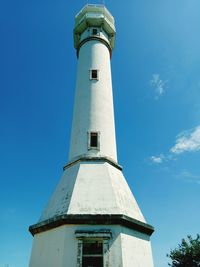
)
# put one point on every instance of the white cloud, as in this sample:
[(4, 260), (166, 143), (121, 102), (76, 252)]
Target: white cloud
[(187, 141), (157, 159), (159, 85)]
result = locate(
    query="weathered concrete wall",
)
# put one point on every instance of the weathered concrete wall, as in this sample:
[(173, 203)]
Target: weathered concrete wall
[(48, 248), (136, 249)]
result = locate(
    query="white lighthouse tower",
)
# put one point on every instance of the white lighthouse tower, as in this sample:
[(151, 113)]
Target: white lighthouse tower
[(92, 219)]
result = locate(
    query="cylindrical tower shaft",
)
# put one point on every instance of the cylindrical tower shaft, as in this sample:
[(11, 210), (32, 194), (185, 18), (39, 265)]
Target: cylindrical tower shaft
[(93, 128)]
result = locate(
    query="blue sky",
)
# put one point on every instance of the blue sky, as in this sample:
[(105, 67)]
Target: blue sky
[(156, 84)]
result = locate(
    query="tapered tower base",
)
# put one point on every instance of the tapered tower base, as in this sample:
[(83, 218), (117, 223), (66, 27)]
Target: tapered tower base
[(92, 203)]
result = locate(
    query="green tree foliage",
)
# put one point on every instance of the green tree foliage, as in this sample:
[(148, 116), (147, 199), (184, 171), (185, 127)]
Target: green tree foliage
[(187, 254)]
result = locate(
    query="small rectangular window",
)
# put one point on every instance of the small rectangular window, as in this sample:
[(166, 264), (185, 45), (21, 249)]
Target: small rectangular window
[(93, 248), (94, 31), (93, 140), (94, 75), (92, 253)]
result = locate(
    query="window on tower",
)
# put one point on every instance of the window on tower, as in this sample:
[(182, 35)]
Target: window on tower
[(93, 248), (94, 31), (92, 253), (93, 140), (94, 74)]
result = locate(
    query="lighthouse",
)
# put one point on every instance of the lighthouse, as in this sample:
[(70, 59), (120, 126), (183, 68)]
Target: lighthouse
[(92, 219)]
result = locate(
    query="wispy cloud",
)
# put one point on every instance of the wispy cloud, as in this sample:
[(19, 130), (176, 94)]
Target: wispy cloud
[(158, 85), (157, 159), (188, 176), (187, 141), (162, 158)]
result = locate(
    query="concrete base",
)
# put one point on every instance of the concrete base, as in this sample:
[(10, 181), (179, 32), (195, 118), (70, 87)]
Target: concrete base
[(60, 247)]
